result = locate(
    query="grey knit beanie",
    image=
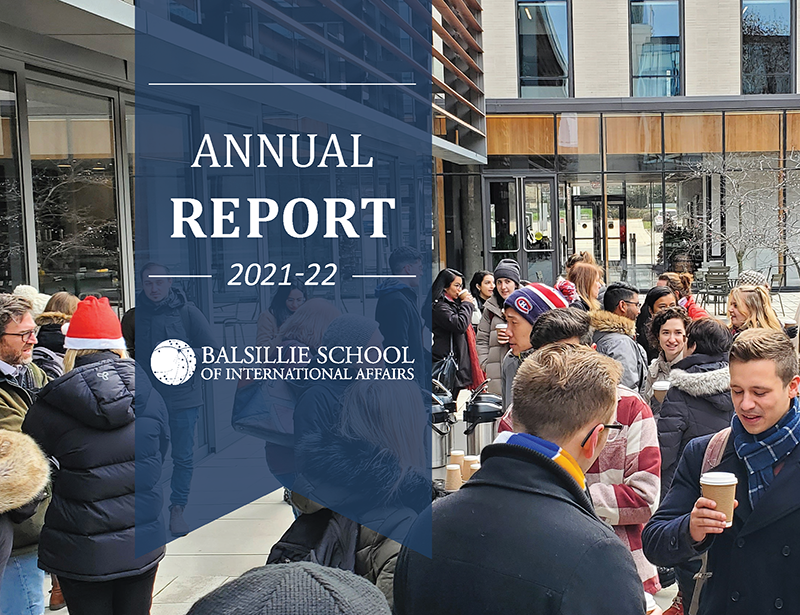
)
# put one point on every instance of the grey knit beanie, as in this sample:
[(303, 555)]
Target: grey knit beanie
[(300, 588), (752, 278), (507, 268), (349, 330)]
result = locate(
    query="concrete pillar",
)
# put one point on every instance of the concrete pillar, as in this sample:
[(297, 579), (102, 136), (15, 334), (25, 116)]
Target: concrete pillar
[(713, 48)]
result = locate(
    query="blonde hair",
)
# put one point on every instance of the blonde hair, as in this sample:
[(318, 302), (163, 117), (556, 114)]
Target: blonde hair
[(390, 415), (63, 302), (71, 354), (309, 323), (580, 257), (561, 388), (584, 276), (756, 306)]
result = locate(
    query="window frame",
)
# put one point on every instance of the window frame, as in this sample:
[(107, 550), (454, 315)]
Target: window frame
[(792, 49), (570, 50), (682, 51)]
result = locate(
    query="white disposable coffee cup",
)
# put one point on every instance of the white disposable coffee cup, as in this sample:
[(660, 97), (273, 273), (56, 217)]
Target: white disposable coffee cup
[(452, 480), (660, 388), (501, 326), (720, 487)]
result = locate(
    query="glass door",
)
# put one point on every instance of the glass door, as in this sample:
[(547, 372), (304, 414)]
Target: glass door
[(521, 225)]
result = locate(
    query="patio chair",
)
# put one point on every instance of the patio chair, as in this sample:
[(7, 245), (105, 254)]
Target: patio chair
[(777, 282), (717, 289)]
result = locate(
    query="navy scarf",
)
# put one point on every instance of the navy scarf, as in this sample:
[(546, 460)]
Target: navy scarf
[(760, 453)]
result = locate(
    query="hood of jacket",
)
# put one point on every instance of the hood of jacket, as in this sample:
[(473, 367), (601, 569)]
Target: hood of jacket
[(24, 471), (52, 318), (174, 300), (706, 377), (609, 322), (99, 392)]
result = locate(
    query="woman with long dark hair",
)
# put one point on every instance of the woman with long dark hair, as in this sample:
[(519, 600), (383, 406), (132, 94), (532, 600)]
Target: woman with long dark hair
[(452, 316), (482, 288), (286, 301), (658, 298)]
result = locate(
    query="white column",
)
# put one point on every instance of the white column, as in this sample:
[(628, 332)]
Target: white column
[(601, 48), (500, 67), (713, 47)]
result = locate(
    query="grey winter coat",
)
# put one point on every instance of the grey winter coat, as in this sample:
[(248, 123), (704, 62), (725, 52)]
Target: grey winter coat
[(615, 338), (698, 403), (490, 351)]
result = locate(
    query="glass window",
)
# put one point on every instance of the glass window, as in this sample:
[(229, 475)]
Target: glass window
[(578, 137), (503, 215), (632, 142), (74, 192), (543, 49), (691, 138), (12, 252), (656, 47), (767, 47)]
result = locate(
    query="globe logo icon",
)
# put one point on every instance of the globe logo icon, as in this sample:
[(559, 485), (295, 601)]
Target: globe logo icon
[(173, 362)]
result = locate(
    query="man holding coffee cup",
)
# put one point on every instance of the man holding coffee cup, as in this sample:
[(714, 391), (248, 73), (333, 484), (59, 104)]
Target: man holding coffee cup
[(754, 562)]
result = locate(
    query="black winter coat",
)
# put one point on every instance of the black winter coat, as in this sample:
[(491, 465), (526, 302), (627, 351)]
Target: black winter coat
[(85, 421), (450, 322), (520, 537), (400, 322), (698, 403), (172, 318), (755, 562)]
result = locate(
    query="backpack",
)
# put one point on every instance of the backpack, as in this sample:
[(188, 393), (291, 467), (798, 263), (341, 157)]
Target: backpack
[(711, 459), (324, 537)]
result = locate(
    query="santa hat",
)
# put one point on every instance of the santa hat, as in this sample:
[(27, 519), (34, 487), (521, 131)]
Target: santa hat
[(94, 326), (534, 300)]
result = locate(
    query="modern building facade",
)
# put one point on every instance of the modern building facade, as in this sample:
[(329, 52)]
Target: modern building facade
[(656, 134)]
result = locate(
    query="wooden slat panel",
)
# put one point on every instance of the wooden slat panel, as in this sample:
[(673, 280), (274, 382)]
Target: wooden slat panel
[(690, 133), (448, 90), (438, 109), (632, 134), (475, 5), (518, 135), (453, 68), (752, 132), (578, 134), (466, 15), (453, 44), (450, 17), (792, 132)]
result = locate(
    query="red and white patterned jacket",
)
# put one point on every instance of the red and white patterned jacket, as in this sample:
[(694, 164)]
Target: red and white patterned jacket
[(625, 481)]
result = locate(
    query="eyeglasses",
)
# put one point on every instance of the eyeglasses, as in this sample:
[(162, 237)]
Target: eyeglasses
[(25, 335), (636, 303), (615, 425)]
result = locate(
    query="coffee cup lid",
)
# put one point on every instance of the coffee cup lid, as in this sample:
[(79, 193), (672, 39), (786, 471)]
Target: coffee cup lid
[(661, 385), (718, 479), (501, 325), (455, 451), (453, 466)]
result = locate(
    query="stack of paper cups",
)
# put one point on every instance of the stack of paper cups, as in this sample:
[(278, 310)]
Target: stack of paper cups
[(468, 461), (457, 457), (452, 480)]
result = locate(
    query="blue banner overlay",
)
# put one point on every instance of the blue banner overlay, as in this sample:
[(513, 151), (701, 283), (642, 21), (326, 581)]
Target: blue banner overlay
[(283, 255)]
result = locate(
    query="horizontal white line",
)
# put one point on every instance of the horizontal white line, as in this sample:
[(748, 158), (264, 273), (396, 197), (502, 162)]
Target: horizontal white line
[(246, 83), (384, 276), (172, 275)]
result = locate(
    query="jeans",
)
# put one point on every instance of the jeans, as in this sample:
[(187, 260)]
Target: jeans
[(181, 433), (126, 596), (22, 590)]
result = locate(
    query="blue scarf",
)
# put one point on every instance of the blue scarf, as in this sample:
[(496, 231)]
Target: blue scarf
[(760, 453), (549, 449)]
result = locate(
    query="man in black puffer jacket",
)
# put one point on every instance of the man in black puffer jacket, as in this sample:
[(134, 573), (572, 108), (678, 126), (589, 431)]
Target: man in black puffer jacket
[(521, 536), (105, 485), (699, 399)]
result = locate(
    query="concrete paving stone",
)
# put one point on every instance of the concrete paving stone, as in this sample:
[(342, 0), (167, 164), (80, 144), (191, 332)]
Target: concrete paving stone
[(163, 578), (233, 565), (187, 589), (171, 609), (245, 536)]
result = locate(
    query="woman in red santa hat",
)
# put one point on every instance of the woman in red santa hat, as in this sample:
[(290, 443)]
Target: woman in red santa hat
[(105, 473)]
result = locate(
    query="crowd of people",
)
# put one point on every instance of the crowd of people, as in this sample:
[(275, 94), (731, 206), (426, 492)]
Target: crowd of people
[(589, 500)]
